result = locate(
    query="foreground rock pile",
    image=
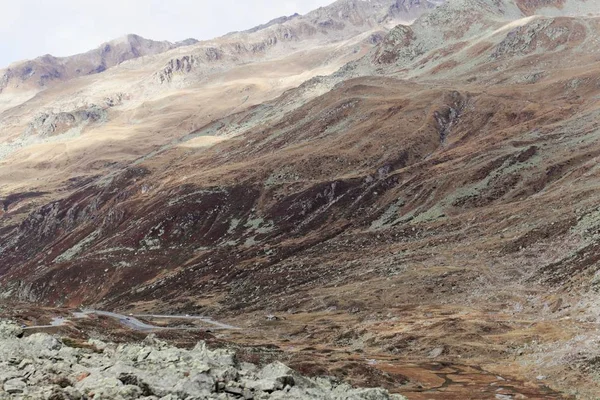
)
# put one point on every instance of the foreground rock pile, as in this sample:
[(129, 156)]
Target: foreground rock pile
[(42, 367)]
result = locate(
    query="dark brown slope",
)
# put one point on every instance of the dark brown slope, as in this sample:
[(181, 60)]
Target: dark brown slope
[(429, 154)]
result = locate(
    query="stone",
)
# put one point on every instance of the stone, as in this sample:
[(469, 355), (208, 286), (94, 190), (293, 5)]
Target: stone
[(43, 341), (95, 382), (40, 367), (218, 356), (143, 354), (225, 374), (82, 376), (264, 385), (10, 330), (126, 392), (14, 386), (72, 393), (99, 344), (435, 353), (152, 341), (274, 370), (130, 379), (275, 376), (236, 391), (24, 363)]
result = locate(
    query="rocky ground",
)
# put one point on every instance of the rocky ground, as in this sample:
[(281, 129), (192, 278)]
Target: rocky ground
[(40, 366)]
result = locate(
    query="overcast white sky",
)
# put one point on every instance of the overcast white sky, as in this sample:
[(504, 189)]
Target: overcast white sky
[(32, 28)]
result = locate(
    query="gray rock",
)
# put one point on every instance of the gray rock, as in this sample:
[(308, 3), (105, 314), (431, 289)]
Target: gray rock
[(95, 382), (264, 385), (218, 356), (435, 353), (9, 330), (42, 341), (24, 363), (100, 345), (15, 386), (275, 370), (40, 367), (272, 377), (131, 379)]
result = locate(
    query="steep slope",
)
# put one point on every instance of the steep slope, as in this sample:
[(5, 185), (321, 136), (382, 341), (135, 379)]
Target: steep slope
[(102, 122)]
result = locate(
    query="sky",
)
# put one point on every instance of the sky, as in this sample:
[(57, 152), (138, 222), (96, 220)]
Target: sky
[(31, 28)]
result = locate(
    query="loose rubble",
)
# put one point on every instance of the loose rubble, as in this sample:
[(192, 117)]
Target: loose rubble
[(42, 367)]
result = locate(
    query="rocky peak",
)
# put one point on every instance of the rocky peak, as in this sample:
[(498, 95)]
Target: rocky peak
[(44, 71), (440, 38)]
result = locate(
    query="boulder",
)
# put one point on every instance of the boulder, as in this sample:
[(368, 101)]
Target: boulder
[(43, 341), (99, 344), (220, 357), (126, 392), (10, 330), (15, 386), (131, 379), (95, 382), (274, 376), (40, 367)]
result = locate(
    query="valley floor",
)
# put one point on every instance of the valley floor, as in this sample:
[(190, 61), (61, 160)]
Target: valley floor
[(421, 352)]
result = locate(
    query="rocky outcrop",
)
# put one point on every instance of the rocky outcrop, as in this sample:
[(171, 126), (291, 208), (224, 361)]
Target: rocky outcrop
[(276, 21), (396, 45), (188, 63), (540, 36), (42, 367), (358, 13), (46, 125)]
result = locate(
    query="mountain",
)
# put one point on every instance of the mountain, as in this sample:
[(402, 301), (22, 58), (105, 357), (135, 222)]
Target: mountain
[(155, 99), (415, 201), (44, 71)]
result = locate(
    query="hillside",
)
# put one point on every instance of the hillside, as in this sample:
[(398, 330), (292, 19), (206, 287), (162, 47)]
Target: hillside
[(112, 118), (416, 202)]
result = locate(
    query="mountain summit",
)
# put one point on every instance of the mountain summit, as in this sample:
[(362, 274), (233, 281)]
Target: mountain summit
[(47, 70)]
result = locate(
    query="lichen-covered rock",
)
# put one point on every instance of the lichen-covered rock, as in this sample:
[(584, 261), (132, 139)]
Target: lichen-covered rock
[(43, 341), (9, 329), (15, 386), (41, 367)]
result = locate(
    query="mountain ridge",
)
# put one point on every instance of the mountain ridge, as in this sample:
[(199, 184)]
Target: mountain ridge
[(46, 69)]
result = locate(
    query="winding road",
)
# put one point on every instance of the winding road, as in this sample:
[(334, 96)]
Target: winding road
[(132, 322), (218, 324)]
